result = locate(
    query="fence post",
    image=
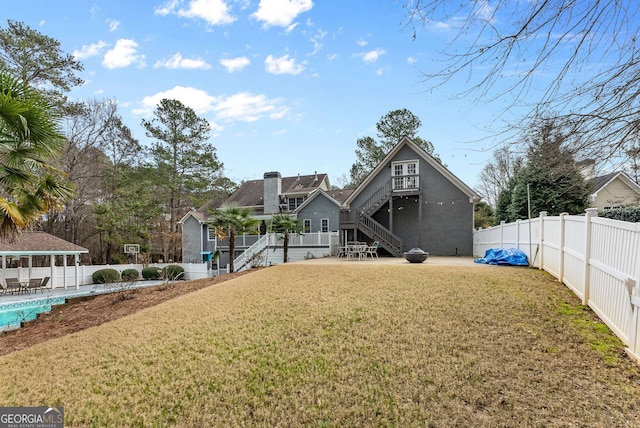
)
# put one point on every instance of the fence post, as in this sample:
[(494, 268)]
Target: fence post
[(561, 245), (502, 222), (518, 233), (543, 214), (590, 213)]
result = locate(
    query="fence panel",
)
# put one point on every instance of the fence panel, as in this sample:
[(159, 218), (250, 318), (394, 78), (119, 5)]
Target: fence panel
[(573, 254), (551, 245), (606, 281)]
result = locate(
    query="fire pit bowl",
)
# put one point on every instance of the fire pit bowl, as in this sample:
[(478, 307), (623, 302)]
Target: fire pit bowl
[(416, 255)]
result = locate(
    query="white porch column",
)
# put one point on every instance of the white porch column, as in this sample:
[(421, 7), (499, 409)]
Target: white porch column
[(52, 259), (64, 270), (77, 264), (30, 266), (4, 268)]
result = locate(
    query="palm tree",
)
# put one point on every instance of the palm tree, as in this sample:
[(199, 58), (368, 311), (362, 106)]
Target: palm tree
[(284, 224), (232, 218), (29, 138)]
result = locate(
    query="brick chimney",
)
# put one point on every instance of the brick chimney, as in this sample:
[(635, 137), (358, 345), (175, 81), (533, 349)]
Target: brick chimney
[(272, 191)]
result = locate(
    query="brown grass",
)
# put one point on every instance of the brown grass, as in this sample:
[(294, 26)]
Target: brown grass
[(342, 345)]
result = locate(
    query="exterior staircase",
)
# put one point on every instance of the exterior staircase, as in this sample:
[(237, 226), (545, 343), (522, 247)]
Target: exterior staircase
[(378, 232)]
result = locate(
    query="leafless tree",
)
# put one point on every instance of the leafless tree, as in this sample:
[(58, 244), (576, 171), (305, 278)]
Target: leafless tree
[(584, 55), (495, 176)]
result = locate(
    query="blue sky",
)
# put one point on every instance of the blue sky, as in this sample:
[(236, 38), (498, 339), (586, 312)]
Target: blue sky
[(287, 85)]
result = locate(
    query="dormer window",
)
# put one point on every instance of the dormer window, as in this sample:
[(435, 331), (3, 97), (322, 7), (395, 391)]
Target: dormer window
[(295, 202), (404, 175)]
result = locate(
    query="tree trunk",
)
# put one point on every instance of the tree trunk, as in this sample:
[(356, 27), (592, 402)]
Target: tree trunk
[(232, 248)]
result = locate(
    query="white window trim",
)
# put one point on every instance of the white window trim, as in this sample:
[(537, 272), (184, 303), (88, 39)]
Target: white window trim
[(322, 221), (405, 182), (304, 227)]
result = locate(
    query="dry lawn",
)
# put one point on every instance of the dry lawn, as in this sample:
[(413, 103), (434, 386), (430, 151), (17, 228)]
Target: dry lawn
[(349, 344)]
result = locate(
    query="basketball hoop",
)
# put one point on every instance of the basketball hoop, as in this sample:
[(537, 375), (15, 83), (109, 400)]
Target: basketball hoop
[(132, 251)]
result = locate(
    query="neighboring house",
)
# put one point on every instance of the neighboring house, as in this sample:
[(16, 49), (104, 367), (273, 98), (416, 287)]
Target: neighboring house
[(304, 196), (411, 200), (615, 190)]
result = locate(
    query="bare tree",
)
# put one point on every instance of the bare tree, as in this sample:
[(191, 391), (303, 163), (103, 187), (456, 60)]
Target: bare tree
[(495, 176), (583, 54)]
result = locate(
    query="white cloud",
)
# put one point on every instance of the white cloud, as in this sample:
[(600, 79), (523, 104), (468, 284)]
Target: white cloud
[(282, 65), (235, 64), (177, 61), (411, 60), (361, 42), (41, 23), (89, 50), (123, 54), (317, 41), (280, 13), (113, 24), (214, 12), (197, 99), (248, 107), (243, 106), (372, 56)]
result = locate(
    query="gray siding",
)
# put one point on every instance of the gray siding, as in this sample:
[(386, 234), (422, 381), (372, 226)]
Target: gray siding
[(317, 209), (438, 219)]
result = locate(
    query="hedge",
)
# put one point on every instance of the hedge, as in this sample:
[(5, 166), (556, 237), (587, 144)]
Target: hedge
[(173, 272), (130, 275), (625, 214), (105, 276), (151, 272)]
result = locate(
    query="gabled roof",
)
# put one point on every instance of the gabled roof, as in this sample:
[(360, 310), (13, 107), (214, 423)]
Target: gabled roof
[(602, 181), (39, 243), (250, 194), (313, 195), (406, 141)]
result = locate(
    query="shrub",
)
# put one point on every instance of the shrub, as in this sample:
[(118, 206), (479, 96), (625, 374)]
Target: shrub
[(151, 272), (105, 276), (173, 272), (630, 214), (130, 275)]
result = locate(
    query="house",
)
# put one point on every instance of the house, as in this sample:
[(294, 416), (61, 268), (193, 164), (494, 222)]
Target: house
[(309, 197), (411, 200), (615, 190)]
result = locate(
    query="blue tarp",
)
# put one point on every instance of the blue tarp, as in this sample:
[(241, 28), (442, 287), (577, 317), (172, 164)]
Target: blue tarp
[(501, 256)]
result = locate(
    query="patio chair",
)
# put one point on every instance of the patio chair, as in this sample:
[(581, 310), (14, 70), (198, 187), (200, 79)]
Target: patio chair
[(13, 285), (44, 283), (34, 284), (371, 250)]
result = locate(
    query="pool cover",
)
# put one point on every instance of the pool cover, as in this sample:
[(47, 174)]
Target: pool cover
[(501, 256)]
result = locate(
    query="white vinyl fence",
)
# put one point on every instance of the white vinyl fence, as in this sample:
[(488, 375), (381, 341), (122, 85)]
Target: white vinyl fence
[(597, 258)]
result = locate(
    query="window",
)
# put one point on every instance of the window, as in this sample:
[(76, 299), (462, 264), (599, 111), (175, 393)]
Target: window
[(324, 225), (295, 202), (611, 207), (212, 233), (405, 175), (306, 225)]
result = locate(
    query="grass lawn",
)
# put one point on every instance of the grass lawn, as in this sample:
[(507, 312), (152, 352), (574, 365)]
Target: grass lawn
[(348, 344)]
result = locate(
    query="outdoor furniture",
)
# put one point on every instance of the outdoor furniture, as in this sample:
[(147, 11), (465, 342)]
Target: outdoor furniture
[(356, 249), (13, 285), (34, 284), (342, 251), (372, 250), (44, 283)]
